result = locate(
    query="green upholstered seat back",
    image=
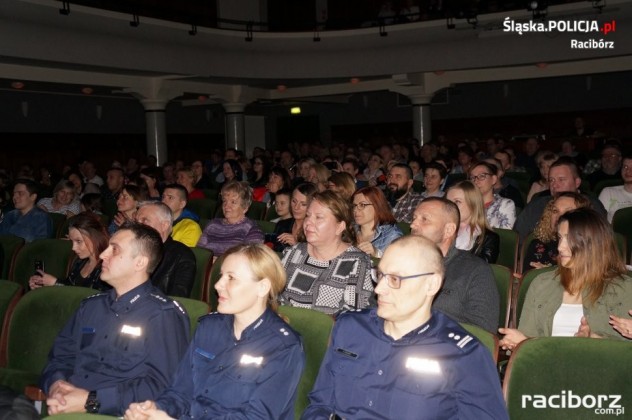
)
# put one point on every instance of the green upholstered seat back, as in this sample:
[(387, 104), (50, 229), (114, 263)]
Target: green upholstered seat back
[(10, 244), (10, 293), (203, 263), (315, 328), (508, 251), (195, 309), (54, 253), (567, 366), (35, 323), (489, 340), (504, 279), (529, 276)]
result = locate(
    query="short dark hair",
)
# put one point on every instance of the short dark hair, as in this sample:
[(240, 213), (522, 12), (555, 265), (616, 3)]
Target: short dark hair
[(181, 190), (31, 186), (147, 242), (409, 172), (443, 172), (567, 161)]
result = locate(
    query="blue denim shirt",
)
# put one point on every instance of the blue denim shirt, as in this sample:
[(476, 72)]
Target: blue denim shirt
[(384, 235), (36, 224)]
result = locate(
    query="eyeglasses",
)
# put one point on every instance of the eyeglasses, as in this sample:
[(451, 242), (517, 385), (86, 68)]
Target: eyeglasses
[(393, 281), (361, 206), (481, 177)]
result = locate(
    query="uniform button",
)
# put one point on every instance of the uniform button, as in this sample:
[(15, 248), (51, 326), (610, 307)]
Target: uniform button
[(379, 372)]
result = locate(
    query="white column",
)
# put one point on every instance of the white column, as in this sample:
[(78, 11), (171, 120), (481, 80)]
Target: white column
[(235, 126), (156, 128), (422, 129)]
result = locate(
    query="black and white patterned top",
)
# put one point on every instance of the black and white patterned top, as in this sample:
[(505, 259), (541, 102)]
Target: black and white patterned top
[(332, 286)]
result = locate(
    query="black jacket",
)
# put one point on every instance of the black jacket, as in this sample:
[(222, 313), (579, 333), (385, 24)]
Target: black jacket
[(176, 272), (489, 249)]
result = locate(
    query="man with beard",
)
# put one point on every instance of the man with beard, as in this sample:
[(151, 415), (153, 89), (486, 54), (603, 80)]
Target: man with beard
[(400, 194)]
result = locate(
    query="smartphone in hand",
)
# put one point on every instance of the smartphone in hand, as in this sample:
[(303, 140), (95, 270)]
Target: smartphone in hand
[(38, 265)]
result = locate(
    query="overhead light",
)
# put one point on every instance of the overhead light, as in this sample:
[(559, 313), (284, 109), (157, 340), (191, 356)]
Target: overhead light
[(281, 88), (539, 8), (295, 110), (17, 85), (135, 21), (354, 80), (87, 90), (65, 8)]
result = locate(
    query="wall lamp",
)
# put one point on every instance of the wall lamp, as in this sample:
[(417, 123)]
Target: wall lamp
[(65, 8)]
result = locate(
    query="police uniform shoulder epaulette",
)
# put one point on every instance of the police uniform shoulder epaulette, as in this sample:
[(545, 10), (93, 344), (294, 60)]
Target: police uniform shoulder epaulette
[(209, 315), (352, 311), (460, 339), (96, 295), (177, 305), (163, 301)]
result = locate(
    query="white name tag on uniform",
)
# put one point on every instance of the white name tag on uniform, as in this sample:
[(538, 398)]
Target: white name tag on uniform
[(250, 360), (423, 365), (133, 331)]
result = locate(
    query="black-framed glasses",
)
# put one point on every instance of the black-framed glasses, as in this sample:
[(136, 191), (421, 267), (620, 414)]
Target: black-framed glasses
[(481, 177), (361, 206), (393, 281)]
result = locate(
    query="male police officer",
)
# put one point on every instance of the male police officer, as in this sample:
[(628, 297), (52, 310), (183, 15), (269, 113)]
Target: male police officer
[(404, 360), (123, 345)]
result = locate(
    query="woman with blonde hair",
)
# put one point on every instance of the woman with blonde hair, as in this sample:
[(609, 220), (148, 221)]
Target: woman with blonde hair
[(244, 361), (589, 285), (474, 235), (342, 183)]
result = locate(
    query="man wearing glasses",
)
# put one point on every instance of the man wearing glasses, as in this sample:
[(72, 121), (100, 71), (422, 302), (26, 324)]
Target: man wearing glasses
[(404, 360)]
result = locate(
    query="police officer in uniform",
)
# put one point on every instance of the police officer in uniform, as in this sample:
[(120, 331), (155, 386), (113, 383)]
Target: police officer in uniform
[(121, 345), (404, 360), (244, 362)]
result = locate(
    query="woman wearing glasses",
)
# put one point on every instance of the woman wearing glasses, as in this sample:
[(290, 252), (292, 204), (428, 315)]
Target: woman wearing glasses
[(500, 212), (327, 273), (375, 225)]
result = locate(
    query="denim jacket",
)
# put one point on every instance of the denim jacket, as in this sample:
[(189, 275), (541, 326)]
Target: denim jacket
[(384, 235)]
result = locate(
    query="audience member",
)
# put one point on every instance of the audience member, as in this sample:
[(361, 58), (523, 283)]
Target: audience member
[(434, 177), (405, 359), (352, 167), (26, 220), (186, 178), (89, 239), (289, 232), (114, 183), (327, 273), (126, 204), (610, 164), (175, 273), (234, 228), (620, 196), (466, 158), (186, 228), (319, 175), (528, 158), (400, 194), (590, 284), (542, 250), (563, 176), (469, 292), (282, 206), (375, 225), (123, 345), (64, 201), (500, 211), (474, 234), (89, 171), (373, 171), (149, 183), (247, 340), (506, 187), (202, 181), (544, 160), (342, 183), (278, 179)]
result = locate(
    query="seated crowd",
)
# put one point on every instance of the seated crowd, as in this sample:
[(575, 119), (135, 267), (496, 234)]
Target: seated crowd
[(405, 236)]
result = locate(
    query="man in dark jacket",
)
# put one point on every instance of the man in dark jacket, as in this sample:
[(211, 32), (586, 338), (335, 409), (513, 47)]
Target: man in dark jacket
[(176, 272)]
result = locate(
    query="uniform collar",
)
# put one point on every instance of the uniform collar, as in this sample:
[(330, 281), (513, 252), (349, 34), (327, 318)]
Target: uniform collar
[(252, 329), (424, 330), (127, 301)]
